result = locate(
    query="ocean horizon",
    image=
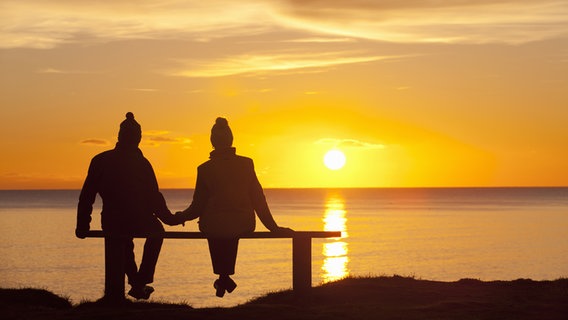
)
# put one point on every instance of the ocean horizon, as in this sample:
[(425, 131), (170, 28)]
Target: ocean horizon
[(438, 233)]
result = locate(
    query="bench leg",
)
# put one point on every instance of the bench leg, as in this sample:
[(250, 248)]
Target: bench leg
[(301, 264), (114, 269)]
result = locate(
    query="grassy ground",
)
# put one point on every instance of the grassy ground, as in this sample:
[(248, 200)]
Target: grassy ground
[(352, 298)]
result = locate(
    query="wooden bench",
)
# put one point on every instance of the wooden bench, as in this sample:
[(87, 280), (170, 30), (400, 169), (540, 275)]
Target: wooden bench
[(301, 251)]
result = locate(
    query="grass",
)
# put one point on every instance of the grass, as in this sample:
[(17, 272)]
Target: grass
[(351, 298)]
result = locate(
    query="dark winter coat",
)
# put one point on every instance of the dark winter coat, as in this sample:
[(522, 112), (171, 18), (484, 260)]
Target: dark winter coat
[(227, 195), (132, 202)]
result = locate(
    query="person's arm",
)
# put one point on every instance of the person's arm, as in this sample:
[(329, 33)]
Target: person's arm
[(158, 203), (161, 210), (200, 196), (86, 200), (261, 206)]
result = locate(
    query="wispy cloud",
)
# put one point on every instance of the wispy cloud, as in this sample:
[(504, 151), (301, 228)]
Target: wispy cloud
[(51, 70), (271, 63), (62, 71), (169, 140), (321, 40), (48, 24), (142, 89), (152, 138), (95, 142), (155, 132), (465, 21), (155, 138), (349, 143)]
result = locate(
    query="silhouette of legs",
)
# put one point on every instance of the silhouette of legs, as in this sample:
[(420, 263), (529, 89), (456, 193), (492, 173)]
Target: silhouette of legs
[(120, 260), (223, 255), (223, 258), (139, 279), (152, 248)]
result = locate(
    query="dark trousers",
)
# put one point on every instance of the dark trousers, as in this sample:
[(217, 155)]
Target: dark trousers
[(223, 255), (120, 260)]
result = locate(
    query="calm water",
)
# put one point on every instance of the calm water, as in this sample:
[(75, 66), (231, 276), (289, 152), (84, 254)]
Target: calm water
[(438, 234)]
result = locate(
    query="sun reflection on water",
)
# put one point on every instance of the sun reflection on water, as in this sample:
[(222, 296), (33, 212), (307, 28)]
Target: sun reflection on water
[(335, 250)]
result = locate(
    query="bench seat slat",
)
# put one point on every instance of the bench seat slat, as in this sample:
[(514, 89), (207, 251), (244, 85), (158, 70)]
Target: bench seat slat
[(253, 235)]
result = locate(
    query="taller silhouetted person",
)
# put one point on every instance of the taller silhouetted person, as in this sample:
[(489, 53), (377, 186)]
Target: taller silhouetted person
[(227, 195), (132, 205)]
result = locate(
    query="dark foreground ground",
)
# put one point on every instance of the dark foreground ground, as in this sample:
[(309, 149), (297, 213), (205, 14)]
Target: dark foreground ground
[(353, 298)]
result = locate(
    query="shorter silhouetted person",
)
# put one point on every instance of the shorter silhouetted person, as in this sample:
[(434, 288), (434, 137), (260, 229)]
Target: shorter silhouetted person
[(132, 205), (227, 195)]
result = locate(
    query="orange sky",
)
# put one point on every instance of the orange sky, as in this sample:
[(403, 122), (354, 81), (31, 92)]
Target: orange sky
[(415, 93)]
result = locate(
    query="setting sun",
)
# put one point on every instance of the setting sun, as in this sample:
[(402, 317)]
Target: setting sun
[(334, 159)]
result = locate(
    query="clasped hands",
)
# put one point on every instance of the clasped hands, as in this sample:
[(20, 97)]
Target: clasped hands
[(181, 217)]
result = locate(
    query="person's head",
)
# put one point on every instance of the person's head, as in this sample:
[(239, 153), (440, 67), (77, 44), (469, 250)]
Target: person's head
[(130, 132), (221, 135)]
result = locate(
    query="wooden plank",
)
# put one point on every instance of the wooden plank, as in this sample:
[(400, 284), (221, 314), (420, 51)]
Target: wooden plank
[(254, 235)]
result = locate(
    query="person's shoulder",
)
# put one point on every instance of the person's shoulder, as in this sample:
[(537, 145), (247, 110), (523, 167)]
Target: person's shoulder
[(204, 164), (243, 158), (104, 154)]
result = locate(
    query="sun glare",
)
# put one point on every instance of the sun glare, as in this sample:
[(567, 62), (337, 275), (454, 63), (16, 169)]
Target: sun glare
[(334, 159)]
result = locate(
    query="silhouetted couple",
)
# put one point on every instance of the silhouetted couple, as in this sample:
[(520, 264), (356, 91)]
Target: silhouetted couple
[(227, 194)]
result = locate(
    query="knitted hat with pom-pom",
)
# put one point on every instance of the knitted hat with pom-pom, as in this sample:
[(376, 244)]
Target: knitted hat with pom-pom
[(221, 134), (130, 132)]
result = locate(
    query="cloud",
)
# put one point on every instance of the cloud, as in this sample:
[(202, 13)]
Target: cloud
[(271, 63), (142, 89), (60, 71), (152, 138), (321, 40), (51, 70), (155, 132), (418, 21), (169, 140), (349, 143), (95, 142), (47, 24), (155, 138)]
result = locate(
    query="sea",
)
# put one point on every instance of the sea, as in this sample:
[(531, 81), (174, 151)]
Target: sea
[(443, 234)]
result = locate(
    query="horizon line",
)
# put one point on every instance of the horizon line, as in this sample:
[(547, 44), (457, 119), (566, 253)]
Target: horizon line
[(334, 188)]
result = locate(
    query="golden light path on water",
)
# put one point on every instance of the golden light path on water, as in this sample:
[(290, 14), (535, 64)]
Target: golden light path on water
[(335, 264)]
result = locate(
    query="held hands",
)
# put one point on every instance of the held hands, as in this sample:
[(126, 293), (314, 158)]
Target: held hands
[(181, 218), (178, 217), (175, 219)]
